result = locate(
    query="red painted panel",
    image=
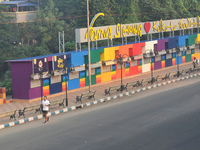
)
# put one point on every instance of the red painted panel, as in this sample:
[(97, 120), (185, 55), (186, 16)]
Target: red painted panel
[(98, 80), (133, 70), (137, 49), (82, 83)]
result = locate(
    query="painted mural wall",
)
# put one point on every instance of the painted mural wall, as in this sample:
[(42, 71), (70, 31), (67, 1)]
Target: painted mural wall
[(104, 68)]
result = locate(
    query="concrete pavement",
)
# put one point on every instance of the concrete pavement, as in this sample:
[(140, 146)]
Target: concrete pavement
[(165, 118), (99, 88)]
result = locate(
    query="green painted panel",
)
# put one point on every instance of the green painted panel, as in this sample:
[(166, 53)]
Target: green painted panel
[(188, 58), (86, 81), (191, 39), (93, 80), (46, 84), (95, 56)]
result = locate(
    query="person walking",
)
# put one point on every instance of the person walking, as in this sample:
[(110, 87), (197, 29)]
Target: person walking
[(195, 62), (45, 108)]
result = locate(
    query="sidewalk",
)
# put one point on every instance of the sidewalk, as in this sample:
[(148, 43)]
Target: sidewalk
[(99, 88)]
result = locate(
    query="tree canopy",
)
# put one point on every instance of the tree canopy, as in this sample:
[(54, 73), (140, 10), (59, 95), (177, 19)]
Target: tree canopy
[(20, 40)]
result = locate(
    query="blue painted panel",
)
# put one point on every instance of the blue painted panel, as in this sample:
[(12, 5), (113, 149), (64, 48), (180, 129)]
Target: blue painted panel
[(183, 53), (152, 59), (192, 51), (113, 67), (140, 61), (98, 70), (73, 84), (46, 80), (174, 55), (164, 57), (168, 62), (82, 74), (172, 42), (63, 78), (127, 65), (77, 59), (182, 40), (179, 60), (55, 88)]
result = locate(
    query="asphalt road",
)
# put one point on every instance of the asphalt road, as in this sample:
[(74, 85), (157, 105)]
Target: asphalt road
[(166, 118)]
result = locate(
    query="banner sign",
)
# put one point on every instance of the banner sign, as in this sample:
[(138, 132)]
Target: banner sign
[(128, 30), (59, 62), (40, 63)]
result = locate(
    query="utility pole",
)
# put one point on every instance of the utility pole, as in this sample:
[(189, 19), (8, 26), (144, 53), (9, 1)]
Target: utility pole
[(89, 63)]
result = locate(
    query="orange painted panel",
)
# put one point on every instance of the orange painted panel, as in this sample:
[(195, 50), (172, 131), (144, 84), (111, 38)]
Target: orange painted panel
[(118, 73), (174, 61), (163, 64), (183, 59), (124, 50)]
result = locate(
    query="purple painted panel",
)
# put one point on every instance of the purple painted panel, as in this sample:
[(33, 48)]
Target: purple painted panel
[(157, 65), (20, 74), (161, 44), (50, 59), (35, 93), (155, 47)]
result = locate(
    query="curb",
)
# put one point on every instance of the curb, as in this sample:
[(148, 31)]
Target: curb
[(2, 126)]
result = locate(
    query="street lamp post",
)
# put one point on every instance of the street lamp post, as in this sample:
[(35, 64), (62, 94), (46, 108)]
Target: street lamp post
[(66, 70), (41, 74), (151, 55), (119, 58), (177, 52), (88, 27)]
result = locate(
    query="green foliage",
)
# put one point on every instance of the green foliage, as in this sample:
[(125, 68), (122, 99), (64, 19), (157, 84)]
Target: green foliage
[(41, 37), (7, 83)]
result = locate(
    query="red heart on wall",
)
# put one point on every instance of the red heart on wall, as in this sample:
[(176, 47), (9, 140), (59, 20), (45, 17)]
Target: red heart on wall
[(147, 26)]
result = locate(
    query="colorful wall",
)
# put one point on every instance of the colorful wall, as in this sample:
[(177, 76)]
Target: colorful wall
[(104, 68)]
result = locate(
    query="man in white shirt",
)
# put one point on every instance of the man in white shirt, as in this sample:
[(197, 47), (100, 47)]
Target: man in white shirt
[(45, 109), (195, 62)]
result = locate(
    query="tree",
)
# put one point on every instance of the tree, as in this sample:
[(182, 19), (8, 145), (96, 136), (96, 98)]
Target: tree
[(50, 27)]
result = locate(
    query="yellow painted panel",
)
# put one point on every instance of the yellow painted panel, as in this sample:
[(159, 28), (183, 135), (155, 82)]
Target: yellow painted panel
[(1, 95), (98, 76), (64, 83), (114, 72), (197, 55), (1, 101), (82, 80), (102, 57), (46, 88), (197, 39), (146, 68), (109, 53), (105, 76), (127, 69)]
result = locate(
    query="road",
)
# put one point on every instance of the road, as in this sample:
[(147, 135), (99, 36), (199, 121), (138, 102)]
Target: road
[(165, 118)]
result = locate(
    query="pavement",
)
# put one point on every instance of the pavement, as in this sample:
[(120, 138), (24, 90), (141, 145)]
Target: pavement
[(164, 118), (99, 95)]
